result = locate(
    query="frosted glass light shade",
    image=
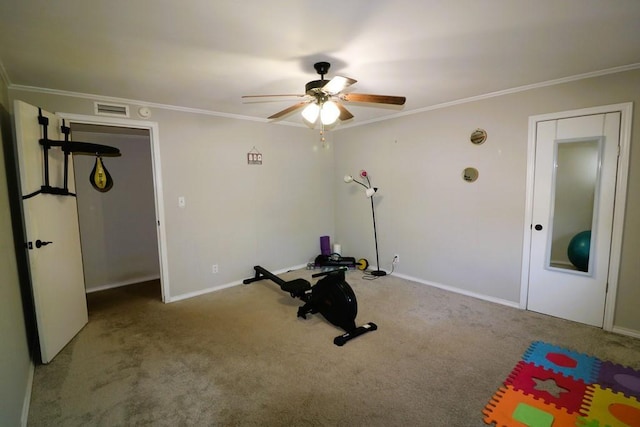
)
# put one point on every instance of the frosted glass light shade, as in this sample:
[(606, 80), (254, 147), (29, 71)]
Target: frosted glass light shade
[(310, 112), (348, 178), (329, 112)]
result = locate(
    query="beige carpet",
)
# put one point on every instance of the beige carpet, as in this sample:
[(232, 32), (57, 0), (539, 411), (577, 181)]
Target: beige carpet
[(240, 357)]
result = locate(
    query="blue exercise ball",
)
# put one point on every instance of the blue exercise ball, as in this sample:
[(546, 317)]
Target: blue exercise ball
[(578, 250)]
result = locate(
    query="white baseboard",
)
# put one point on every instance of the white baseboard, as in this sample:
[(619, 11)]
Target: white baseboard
[(226, 285), (402, 276), (202, 292), (460, 291), (616, 329), (122, 283), (624, 331)]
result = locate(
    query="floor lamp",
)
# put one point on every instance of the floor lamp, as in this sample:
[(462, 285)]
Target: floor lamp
[(369, 192)]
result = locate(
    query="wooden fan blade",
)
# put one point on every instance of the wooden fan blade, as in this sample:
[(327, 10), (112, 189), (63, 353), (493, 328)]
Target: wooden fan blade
[(377, 99), (337, 84), (344, 113), (288, 110)]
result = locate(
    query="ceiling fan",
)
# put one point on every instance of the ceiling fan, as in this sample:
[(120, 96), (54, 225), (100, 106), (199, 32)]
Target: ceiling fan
[(322, 98)]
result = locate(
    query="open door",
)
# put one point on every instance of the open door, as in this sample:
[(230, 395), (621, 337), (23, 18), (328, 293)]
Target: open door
[(52, 233)]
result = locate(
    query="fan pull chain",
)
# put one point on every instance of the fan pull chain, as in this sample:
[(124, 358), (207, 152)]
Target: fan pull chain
[(322, 138)]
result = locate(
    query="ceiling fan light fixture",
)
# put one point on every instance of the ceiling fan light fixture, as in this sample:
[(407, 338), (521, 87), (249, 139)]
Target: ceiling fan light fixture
[(320, 99), (310, 112), (329, 113)]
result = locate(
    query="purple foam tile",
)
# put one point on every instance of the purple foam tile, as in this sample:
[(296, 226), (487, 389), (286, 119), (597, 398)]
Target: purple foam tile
[(620, 378)]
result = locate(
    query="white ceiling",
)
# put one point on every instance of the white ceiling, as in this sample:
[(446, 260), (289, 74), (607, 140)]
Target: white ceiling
[(205, 54)]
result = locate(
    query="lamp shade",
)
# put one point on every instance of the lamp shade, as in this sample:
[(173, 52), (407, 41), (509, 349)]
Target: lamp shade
[(329, 112), (348, 178), (310, 112)]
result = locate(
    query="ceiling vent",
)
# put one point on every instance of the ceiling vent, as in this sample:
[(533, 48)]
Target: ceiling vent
[(114, 110)]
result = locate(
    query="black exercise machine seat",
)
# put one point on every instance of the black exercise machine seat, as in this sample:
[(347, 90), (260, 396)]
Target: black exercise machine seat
[(295, 287)]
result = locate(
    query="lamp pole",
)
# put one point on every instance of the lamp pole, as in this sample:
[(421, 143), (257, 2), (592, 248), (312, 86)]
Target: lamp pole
[(370, 192), (378, 272)]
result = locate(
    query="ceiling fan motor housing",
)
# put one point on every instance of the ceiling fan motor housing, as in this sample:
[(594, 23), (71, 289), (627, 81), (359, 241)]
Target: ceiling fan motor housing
[(322, 67), (312, 87)]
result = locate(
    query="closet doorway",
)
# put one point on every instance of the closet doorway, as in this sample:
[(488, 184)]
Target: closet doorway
[(117, 227), (121, 230)]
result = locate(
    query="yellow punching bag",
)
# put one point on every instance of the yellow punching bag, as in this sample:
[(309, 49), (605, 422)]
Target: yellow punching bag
[(100, 178)]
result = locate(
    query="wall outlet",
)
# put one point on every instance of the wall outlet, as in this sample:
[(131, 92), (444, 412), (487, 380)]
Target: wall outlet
[(396, 258), (181, 202), (214, 268)]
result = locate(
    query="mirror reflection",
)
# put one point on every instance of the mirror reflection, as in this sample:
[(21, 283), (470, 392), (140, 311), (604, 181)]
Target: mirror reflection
[(575, 181)]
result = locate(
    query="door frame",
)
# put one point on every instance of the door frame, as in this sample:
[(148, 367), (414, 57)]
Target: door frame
[(626, 117), (154, 137)]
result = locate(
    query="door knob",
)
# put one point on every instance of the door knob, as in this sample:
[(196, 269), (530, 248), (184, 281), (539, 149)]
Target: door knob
[(40, 243), (538, 227)]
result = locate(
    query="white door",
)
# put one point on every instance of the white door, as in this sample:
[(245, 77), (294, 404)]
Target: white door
[(57, 278), (574, 193)]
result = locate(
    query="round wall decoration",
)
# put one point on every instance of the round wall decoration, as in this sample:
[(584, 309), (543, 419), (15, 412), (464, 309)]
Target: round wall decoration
[(470, 174), (478, 136)]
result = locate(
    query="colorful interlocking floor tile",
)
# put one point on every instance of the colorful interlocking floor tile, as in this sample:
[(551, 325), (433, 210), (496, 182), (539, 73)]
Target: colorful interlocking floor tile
[(555, 387)]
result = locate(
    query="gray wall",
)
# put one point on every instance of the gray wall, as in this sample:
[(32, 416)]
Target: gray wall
[(16, 368), (236, 215), (465, 236), (447, 231), (469, 236), (117, 228)]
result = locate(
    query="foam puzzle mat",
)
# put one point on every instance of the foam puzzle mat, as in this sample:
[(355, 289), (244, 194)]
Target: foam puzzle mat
[(555, 387)]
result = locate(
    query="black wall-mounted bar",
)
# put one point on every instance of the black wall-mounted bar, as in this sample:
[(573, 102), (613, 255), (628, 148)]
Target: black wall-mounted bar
[(67, 147)]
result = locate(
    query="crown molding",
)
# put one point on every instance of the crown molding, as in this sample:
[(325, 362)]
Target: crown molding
[(170, 107), (489, 95)]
